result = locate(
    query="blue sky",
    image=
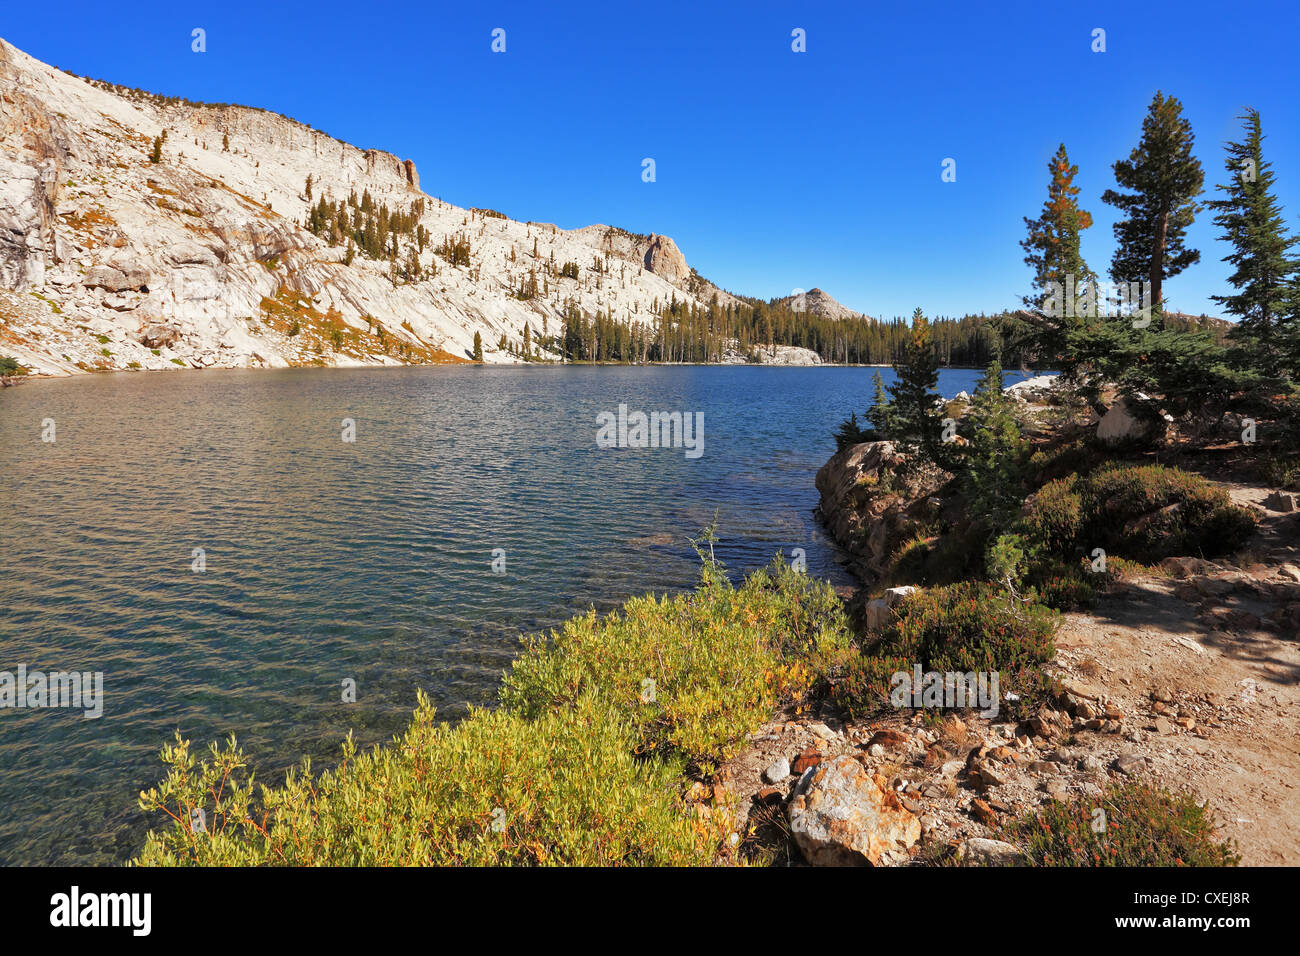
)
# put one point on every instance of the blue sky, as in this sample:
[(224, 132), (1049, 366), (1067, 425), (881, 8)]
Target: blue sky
[(775, 169)]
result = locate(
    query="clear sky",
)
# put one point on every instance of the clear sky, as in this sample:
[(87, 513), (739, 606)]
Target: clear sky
[(775, 170)]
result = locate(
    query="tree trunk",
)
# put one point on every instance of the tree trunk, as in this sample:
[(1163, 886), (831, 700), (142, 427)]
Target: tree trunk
[(1158, 259)]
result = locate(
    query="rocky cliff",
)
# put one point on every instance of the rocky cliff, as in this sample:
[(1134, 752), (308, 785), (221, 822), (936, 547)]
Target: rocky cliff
[(110, 259)]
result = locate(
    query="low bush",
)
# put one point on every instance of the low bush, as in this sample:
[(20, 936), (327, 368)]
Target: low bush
[(582, 765), (1054, 518), (691, 674), (1066, 586), (495, 789), (1143, 513), (970, 626), (1136, 824)]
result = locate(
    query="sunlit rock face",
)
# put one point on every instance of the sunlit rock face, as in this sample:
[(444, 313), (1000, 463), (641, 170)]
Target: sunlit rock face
[(111, 260)]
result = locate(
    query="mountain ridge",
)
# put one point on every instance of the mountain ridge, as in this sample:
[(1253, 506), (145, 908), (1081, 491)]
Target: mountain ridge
[(220, 254)]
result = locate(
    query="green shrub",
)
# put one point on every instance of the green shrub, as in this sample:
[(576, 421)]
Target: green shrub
[(970, 626), (850, 433), (1143, 513), (1066, 587), (582, 765), (10, 366), (1153, 512), (1139, 825), (495, 789), (694, 673), (1055, 517)]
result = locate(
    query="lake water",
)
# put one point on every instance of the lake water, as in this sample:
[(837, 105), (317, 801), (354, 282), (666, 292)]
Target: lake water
[(370, 560)]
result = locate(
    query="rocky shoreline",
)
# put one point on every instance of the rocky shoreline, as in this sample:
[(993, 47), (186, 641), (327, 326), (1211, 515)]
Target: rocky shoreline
[(1161, 682)]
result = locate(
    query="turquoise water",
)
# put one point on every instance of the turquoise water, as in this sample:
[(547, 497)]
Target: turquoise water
[(328, 560)]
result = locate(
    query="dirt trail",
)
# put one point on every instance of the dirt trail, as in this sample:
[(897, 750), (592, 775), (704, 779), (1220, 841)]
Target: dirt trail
[(1219, 645), (1190, 676)]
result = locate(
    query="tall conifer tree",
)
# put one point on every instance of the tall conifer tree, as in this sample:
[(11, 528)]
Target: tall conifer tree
[(917, 419), (1251, 219), (1052, 250), (1163, 179)]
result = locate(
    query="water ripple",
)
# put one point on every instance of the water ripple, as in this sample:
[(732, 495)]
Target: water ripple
[(325, 560)]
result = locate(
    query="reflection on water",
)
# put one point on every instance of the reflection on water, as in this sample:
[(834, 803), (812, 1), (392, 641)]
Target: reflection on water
[(327, 560)]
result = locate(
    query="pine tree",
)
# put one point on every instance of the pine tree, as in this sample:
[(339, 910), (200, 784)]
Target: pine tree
[(879, 417), (478, 347), (1165, 179), (849, 433), (1187, 368), (995, 455), (155, 154), (881, 413), (1052, 250), (1251, 219), (1052, 247), (917, 420)]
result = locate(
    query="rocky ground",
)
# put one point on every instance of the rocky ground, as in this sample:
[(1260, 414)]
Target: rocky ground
[(1190, 678), (1187, 674)]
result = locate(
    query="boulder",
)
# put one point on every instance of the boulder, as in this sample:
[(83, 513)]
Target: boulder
[(1125, 422), (842, 816), (159, 336), (877, 614), (1130, 764), (120, 303), (105, 277), (1185, 567), (120, 275), (896, 596), (1280, 501), (880, 611), (192, 254), (810, 757), (979, 851), (862, 517), (889, 738), (1037, 389), (777, 771), (782, 355)]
